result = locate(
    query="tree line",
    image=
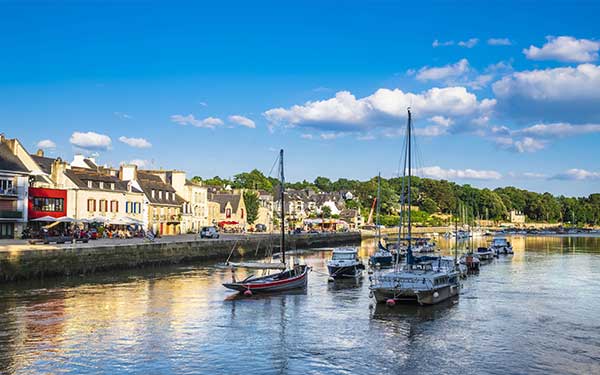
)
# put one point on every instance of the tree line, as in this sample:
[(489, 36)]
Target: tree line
[(438, 196)]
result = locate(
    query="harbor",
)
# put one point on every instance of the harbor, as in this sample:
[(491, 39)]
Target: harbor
[(534, 311)]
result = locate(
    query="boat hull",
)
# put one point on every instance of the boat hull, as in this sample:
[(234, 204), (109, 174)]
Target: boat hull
[(269, 284), (426, 297), (345, 272)]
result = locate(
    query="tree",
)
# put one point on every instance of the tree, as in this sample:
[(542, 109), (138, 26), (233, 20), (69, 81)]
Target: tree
[(254, 179), (252, 204), (326, 210), (323, 183), (428, 205), (217, 181)]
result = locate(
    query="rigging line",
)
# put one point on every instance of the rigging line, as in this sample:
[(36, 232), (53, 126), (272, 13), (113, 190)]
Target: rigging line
[(273, 166)]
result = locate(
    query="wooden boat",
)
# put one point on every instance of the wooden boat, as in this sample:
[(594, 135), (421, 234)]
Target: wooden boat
[(293, 278)]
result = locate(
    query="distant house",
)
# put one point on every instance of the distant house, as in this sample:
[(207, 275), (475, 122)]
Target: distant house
[(352, 217), (14, 182), (232, 209), (517, 217)]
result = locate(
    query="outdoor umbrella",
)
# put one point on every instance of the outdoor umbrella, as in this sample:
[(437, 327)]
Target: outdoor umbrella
[(120, 221), (98, 219), (66, 219), (45, 218)]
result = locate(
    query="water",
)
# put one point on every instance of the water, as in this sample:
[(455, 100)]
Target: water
[(536, 312)]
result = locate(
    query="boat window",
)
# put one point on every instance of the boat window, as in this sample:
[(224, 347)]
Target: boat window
[(343, 256)]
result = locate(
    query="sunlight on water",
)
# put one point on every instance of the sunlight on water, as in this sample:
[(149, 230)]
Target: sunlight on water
[(534, 312)]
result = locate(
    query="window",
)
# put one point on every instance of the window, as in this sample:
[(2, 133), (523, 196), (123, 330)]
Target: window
[(103, 205), (114, 206), (101, 185), (91, 205), (112, 186), (127, 207), (90, 184), (160, 194), (153, 193), (228, 213), (48, 204), (6, 186), (242, 212)]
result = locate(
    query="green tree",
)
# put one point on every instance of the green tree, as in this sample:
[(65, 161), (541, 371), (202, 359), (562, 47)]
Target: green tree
[(254, 179), (323, 183), (252, 204), (326, 210), (428, 205)]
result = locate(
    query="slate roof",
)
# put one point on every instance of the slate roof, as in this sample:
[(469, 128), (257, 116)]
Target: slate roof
[(44, 163), (9, 162), (149, 182), (81, 176), (222, 200)]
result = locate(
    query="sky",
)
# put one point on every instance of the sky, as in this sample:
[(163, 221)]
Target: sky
[(502, 93)]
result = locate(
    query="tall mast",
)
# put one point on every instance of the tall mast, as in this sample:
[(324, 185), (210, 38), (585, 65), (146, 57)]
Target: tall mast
[(456, 235), (378, 199), (282, 196), (409, 259)]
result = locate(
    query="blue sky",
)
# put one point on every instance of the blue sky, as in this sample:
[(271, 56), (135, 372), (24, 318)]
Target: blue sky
[(502, 94)]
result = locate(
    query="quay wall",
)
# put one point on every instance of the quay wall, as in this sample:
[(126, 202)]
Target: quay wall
[(35, 263)]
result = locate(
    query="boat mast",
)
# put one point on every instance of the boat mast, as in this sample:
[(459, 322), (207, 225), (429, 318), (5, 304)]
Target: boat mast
[(378, 198), (282, 196), (456, 235), (409, 258)]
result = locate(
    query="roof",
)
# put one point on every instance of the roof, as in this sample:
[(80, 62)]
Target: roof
[(90, 163), (44, 162), (222, 200), (81, 177), (149, 182), (9, 161)]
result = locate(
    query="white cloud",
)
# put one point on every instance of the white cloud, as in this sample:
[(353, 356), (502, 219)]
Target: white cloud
[(566, 49), (135, 142), (534, 175), (330, 135), (441, 120), (122, 115), (469, 43), (384, 108), (444, 72), (209, 122), (203, 104), (499, 42), (90, 141), (366, 137), (561, 94), (243, 121), (577, 174), (520, 145), (46, 144), (436, 43), (306, 136), (141, 163), (451, 174), (559, 130)]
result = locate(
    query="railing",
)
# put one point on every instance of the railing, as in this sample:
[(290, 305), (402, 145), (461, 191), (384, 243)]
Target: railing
[(11, 215), (12, 191)]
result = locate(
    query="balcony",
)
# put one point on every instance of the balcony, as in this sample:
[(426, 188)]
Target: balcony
[(11, 215), (10, 192)]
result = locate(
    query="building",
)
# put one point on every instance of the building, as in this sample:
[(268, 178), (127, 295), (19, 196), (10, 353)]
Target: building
[(352, 217), (517, 217), (232, 209), (265, 210), (14, 183)]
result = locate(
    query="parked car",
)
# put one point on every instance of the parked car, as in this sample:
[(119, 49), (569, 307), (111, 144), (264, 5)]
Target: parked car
[(260, 228), (209, 232)]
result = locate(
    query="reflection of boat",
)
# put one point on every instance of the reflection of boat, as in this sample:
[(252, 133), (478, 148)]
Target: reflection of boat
[(345, 263), (293, 278), (423, 245), (500, 245), (423, 280)]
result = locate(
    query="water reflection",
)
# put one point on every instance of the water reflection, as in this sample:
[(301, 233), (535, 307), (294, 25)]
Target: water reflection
[(534, 312)]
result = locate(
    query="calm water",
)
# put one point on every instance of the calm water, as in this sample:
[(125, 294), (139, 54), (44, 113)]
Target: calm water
[(535, 312)]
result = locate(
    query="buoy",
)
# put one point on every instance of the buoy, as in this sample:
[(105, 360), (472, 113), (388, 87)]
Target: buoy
[(248, 293), (390, 302), (436, 294), (331, 279)]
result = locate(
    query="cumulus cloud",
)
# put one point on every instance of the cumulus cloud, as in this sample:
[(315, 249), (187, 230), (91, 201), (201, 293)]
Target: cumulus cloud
[(569, 94), (499, 42), (306, 136), (90, 141), (436, 43), (559, 130), (452, 174), (577, 174), (520, 145), (345, 112), (46, 144), (135, 142), (242, 121), (469, 43), (443, 72), (209, 122), (566, 49)]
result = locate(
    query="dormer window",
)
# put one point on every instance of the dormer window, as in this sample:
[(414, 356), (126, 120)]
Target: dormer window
[(112, 186), (90, 184), (153, 193), (160, 194), (101, 185)]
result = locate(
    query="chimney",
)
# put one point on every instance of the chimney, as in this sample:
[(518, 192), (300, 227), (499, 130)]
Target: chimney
[(128, 172), (40, 152), (2, 138), (57, 171)]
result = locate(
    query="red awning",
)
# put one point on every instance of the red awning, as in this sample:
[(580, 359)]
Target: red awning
[(223, 223)]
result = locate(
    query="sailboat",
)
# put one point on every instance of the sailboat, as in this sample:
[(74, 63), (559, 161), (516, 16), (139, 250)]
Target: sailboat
[(294, 277), (425, 280), (382, 257)]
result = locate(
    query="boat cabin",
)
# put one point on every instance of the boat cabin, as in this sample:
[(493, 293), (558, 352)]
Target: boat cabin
[(344, 254), (500, 241)]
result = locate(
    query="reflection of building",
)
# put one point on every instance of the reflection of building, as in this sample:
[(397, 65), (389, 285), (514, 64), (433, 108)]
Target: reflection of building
[(517, 217), (14, 180)]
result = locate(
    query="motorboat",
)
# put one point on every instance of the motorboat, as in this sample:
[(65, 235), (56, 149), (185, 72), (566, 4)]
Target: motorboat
[(345, 263)]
